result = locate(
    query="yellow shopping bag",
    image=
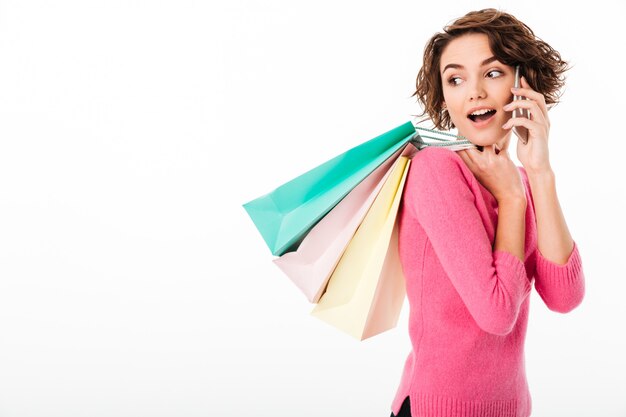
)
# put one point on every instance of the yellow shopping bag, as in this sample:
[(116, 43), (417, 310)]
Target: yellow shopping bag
[(366, 291)]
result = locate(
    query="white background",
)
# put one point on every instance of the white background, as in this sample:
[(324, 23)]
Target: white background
[(132, 281)]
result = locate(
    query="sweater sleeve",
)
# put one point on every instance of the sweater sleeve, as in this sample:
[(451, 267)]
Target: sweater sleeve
[(492, 284), (561, 287)]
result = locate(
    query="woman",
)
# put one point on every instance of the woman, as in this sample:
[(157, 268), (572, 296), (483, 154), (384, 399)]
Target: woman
[(476, 231)]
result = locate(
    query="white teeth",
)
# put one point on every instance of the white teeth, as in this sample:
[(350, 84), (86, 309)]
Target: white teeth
[(479, 112)]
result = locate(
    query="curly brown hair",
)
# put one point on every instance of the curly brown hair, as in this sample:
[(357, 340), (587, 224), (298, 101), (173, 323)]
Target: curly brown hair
[(510, 40)]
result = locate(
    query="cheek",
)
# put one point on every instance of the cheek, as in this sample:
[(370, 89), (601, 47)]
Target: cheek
[(454, 102)]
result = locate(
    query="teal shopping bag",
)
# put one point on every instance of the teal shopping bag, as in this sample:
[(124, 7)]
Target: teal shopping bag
[(285, 215)]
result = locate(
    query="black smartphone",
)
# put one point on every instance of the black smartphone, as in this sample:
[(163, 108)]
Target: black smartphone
[(520, 131)]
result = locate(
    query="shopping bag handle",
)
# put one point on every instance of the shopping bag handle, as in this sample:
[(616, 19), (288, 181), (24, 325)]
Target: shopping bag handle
[(441, 139)]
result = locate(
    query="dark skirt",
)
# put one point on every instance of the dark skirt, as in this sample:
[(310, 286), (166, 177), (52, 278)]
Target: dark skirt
[(405, 409)]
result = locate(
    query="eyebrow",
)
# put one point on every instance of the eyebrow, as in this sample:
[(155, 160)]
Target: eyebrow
[(485, 62)]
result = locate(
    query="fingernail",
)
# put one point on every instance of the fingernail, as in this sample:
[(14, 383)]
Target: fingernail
[(514, 88)]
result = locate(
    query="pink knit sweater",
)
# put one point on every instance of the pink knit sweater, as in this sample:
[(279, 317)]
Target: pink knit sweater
[(468, 303)]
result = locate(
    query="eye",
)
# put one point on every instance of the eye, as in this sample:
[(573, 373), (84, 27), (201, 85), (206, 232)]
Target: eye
[(453, 83), (451, 80), (492, 71)]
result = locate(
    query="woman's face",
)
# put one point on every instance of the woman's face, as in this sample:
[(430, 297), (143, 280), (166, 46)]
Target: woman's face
[(473, 78)]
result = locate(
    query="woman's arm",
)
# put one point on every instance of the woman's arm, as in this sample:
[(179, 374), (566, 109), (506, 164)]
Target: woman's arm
[(554, 239), (493, 284), (560, 280), (559, 275), (511, 231)]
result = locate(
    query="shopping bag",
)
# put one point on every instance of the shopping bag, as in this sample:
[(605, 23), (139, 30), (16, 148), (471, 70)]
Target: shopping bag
[(285, 215), (310, 266), (366, 290), (368, 301)]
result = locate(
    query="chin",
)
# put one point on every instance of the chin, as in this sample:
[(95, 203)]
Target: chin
[(484, 141), (486, 138)]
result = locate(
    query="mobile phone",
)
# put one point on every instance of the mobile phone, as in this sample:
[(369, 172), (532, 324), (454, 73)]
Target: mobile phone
[(520, 131)]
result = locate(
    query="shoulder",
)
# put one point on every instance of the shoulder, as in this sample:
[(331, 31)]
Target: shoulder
[(443, 163), (433, 156), (439, 184)]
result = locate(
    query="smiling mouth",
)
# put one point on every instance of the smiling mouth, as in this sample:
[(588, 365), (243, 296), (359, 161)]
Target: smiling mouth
[(482, 117)]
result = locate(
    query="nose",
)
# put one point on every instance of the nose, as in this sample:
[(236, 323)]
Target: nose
[(477, 90)]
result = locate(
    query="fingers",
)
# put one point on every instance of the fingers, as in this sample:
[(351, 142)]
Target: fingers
[(474, 156), (485, 157), (469, 155), (526, 91), (464, 156), (496, 151), (491, 150), (531, 94), (521, 121), (536, 112)]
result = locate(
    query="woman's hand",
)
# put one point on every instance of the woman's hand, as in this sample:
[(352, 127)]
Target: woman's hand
[(495, 171), (534, 155)]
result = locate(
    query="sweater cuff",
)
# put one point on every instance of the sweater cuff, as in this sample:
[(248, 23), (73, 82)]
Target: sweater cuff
[(506, 261), (552, 272)]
